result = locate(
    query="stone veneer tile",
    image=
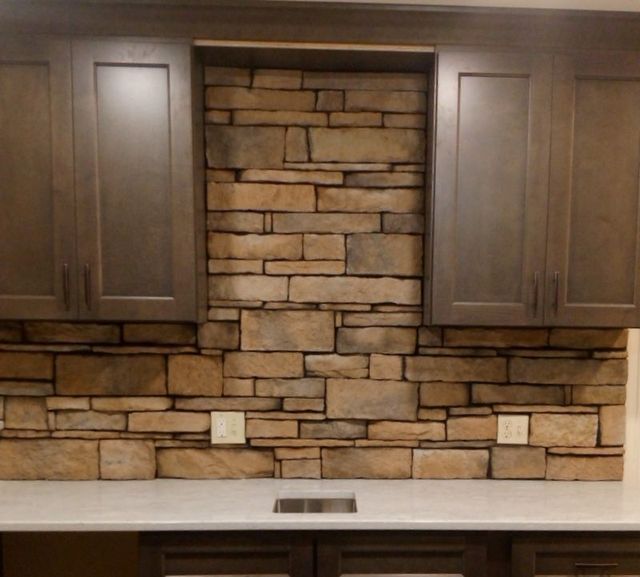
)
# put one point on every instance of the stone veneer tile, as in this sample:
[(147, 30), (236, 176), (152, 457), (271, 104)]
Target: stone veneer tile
[(450, 464), (518, 463), (124, 459), (214, 463), (366, 463)]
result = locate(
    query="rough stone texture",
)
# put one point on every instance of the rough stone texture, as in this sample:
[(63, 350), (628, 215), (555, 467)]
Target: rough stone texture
[(387, 367), (398, 200), (387, 101), (25, 413), (301, 469), (291, 177), (259, 99), (256, 246), (333, 430), (326, 223), (122, 460), (271, 78), (26, 366), (260, 196), (568, 371), (444, 394), (235, 221), (376, 340), (324, 246), (384, 179), (403, 223), (572, 468), (392, 431), (160, 334), (223, 76), (10, 332), (456, 369), (214, 463), (195, 375), (309, 387), (365, 81), (472, 428), (366, 145), (90, 421), (351, 463), (557, 430), (227, 146), (248, 288), (265, 365), (296, 145), (287, 331), (110, 375), (589, 338), (219, 335), (599, 395), (25, 388), (517, 394), (381, 319), (170, 422), (257, 428), (303, 267), (330, 100), (518, 463), (473, 337), (47, 332), (51, 459), (352, 366), (612, 425), (368, 399), (450, 464), (125, 404), (354, 290), (384, 254)]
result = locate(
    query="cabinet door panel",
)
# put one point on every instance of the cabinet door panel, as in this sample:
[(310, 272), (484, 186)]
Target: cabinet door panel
[(595, 188), (36, 180), (492, 148), (134, 177)]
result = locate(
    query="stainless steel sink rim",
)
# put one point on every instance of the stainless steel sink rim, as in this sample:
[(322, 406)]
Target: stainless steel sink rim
[(315, 505)]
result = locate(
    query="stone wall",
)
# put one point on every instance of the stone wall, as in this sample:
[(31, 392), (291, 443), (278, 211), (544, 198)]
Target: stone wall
[(315, 236)]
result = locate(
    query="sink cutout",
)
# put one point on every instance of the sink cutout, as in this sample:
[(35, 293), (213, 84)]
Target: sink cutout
[(296, 502)]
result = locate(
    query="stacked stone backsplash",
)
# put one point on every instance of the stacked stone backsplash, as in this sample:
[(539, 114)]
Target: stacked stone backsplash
[(315, 243)]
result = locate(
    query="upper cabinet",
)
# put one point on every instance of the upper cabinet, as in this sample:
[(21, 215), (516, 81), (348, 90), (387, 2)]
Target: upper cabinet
[(101, 220), (535, 215)]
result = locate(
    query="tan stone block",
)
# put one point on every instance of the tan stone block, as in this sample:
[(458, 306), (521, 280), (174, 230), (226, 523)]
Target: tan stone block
[(129, 404), (235, 221), (391, 431), (227, 147), (544, 409), (303, 404), (26, 413), (122, 460), (333, 430), (589, 338), (26, 365), (385, 367), (195, 375), (215, 463), (403, 223), (342, 166), (384, 254), (430, 336), (265, 365), (238, 387), (366, 145), (353, 366), (330, 100), (368, 399), (392, 120), (267, 428), (223, 314), (366, 80), (225, 98), (472, 428), (354, 290), (355, 119), (384, 179), (304, 267), (612, 425), (351, 463), (432, 414), (475, 337), (160, 333), (228, 404), (568, 371), (307, 387), (287, 330), (382, 319), (213, 175), (255, 246), (584, 468), (71, 403), (25, 388), (452, 369), (261, 196), (220, 335), (279, 118), (223, 76), (170, 422), (386, 101), (557, 430), (599, 395), (248, 288), (469, 411), (302, 453), (518, 463), (326, 223), (50, 459), (292, 176), (45, 332), (90, 421), (296, 145), (369, 200), (10, 332), (301, 469), (110, 375), (222, 266), (217, 117), (450, 464), (376, 340), (274, 78), (517, 394)]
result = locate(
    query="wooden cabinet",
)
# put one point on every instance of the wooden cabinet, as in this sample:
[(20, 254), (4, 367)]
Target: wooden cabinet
[(100, 219), (536, 190)]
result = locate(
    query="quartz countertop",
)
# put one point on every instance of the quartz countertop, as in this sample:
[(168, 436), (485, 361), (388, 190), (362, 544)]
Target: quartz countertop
[(180, 505)]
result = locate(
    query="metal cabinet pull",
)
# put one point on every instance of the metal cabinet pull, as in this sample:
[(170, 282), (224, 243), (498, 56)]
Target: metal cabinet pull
[(536, 283), (556, 291), (65, 286), (87, 286)]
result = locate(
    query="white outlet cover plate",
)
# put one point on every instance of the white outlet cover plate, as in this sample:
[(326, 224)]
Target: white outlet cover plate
[(227, 428), (513, 429)]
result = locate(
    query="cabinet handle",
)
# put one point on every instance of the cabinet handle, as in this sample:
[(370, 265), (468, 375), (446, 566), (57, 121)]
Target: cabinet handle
[(556, 291), (600, 567), (536, 283), (65, 286), (87, 286)]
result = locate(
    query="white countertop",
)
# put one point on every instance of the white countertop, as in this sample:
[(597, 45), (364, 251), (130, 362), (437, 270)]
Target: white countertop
[(176, 505)]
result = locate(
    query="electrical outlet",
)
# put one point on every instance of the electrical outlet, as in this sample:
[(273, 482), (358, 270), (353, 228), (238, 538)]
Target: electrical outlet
[(513, 429), (227, 428)]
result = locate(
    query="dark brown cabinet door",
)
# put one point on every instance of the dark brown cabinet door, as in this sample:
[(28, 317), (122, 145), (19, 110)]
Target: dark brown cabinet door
[(134, 180), (594, 250), (386, 554), (490, 188), (218, 555), (37, 219)]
